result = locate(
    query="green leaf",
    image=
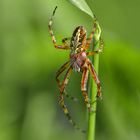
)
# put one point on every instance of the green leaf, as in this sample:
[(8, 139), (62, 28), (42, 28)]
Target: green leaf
[(82, 5)]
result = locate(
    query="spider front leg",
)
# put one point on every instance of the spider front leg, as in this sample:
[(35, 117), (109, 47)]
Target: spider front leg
[(95, 77), (96, 30), (99, 50), (63, 46), (84, 88)]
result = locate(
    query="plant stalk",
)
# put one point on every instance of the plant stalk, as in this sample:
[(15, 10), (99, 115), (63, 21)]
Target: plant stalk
[(93, 91)]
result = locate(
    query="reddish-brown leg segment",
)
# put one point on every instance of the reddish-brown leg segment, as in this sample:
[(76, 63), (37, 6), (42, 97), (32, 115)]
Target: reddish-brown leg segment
[(62, 86), (84, 88), (59, 72), (99, 50), (66, 79), (89, 39), (93, 52), (94, 75)]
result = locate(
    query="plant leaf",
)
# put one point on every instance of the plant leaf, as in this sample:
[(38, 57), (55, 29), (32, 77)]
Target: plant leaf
[(83, 6)]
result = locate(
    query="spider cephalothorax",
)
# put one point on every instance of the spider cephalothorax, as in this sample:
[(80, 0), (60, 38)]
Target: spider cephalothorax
[(79, 62)]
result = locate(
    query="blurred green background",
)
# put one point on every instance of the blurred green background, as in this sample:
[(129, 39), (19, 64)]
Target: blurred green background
[(29, 107)]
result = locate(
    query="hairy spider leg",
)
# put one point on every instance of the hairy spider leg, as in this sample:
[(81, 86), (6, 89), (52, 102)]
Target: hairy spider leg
[(95, 77), (93, 53), (99, 50), (70, 97), (89, 39), (61, 101), (63, 46), (59, 72), (84, 88), (101, 44), (66, 79), (61, 69)]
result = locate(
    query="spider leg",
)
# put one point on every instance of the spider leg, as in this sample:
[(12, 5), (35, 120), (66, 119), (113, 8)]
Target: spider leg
[(66, 79), (89, 39), (84, 88), (70, 97), (93, 52), (59, 72), (63, 46), (95, 34), (99, 50), (61, 101), (95, 77)]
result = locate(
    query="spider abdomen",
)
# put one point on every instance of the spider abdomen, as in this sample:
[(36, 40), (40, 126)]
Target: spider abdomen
[(78, 60)]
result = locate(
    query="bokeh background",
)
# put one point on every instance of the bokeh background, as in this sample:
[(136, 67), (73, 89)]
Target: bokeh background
[(29, 107)]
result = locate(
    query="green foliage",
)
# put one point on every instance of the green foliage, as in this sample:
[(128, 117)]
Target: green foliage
[(29, 107), (82, 5)]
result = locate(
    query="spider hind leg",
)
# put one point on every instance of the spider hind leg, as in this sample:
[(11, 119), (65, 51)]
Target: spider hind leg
[(59, 72), (84, 89), (70, 97), (62, 91), (66, 112), (96, 79)]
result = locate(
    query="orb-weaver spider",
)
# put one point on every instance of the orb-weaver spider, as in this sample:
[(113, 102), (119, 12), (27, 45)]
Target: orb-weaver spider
[(78, 62)]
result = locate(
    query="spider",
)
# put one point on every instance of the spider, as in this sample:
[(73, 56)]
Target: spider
[(78, 62)]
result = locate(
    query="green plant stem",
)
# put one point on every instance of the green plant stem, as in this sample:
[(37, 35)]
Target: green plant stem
[(93, 91)]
